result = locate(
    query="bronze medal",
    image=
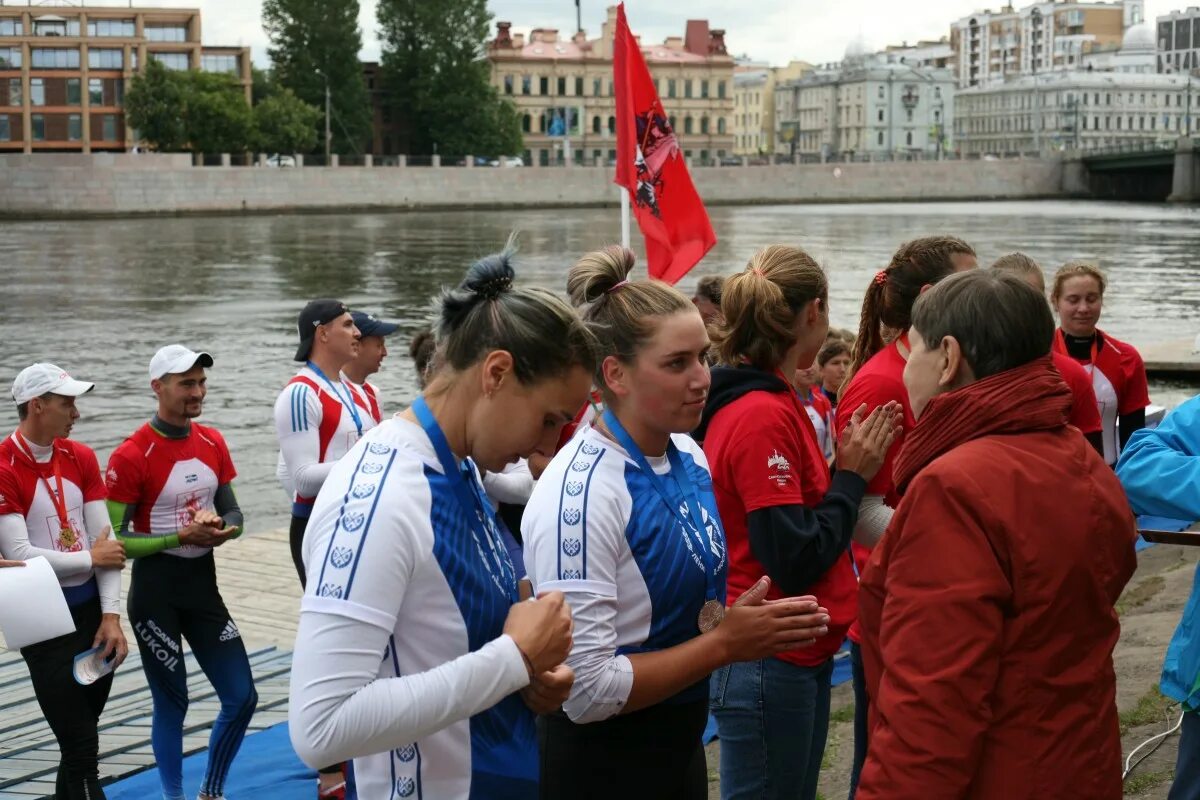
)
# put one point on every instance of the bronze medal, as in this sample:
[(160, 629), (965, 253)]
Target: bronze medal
[(66, 536), (711, 614)]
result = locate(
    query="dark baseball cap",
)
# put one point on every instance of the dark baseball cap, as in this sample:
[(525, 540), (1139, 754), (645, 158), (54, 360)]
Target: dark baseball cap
[(370, 325), (316, 313)]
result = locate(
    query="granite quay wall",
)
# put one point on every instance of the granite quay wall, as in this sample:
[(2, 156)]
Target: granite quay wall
[(78, 185)]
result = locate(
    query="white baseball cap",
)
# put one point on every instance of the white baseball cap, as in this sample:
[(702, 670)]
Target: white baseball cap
[(39, 379), (175, 358)]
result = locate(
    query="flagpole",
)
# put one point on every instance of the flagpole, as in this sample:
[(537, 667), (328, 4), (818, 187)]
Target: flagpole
[(624, 215)]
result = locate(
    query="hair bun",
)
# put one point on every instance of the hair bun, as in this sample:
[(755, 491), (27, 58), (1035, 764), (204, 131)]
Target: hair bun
[(490, 276), (597, 273)]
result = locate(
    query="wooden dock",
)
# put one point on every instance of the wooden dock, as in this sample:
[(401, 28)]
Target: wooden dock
[(1174, 359), (260, 588)]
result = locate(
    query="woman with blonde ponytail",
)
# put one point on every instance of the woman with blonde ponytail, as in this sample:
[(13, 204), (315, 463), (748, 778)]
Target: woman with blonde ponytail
[(783, 516), (876, 378)]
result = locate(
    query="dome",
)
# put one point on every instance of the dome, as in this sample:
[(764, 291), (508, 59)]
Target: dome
[(1139, 38), (857, 48)]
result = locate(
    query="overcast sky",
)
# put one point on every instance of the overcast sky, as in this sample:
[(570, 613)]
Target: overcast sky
[(767, 30)]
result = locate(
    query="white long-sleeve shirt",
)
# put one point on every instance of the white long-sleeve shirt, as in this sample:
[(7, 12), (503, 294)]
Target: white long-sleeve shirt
[(400, 661)]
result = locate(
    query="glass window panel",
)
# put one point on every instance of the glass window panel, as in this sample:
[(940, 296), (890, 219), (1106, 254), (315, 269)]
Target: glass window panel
[(74, 127), (39, 127), (105, 58), (10, 58), (5, 129), (166, 33), (95, 91), (14, 92), (73, 92), (37, 92), (54, 58), (177, 61), (11, 26), (110, 128)]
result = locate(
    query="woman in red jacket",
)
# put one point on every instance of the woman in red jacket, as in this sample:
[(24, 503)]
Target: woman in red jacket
[(783, 515), (1117, 372), (987, 609)]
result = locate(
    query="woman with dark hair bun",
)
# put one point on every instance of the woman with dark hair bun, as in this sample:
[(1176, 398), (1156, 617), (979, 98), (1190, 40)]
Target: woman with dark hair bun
[(987, 610), (412, 646)]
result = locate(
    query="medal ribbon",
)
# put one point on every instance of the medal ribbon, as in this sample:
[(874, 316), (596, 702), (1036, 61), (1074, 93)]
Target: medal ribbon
[(58, 499), (346, 400)]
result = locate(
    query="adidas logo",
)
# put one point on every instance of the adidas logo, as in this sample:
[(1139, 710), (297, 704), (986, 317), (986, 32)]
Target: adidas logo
[(230, 632)]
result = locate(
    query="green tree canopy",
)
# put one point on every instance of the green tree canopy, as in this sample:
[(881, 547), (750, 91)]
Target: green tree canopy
[(435, 72), (154, 108), (286, 124), (312, 40), (181, 110)]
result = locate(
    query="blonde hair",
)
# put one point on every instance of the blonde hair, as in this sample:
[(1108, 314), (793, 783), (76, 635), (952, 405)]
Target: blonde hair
[(1077, 269), (622, 314), (760, 305), (1022, 265)]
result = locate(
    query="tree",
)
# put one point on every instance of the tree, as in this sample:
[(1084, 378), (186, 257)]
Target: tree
[(154, 108), (436, 74), (218, 118), (285, 124), (313, 41), (263, 85)]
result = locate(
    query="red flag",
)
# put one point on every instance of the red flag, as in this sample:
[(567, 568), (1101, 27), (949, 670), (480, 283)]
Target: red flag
[(651, 167)]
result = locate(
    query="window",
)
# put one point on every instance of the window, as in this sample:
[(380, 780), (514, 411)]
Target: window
[(95, 92), (908, 138), (14, 92), (508, 84), (579, 91), (671, 87), (881, 115), (687, 125), (166, 33), (596, 123), (109, 124), (224, 62), (562, 86), (37, 92), (52, 27), (178, 61), (687, 88), (526, 85), (74, 127), (720, 90), (610, 89), (11, 26), (612, 125), (721, 125), (54, 58), (704, 124), (543, 85), (39, 127), (525, 121), (100, 58), (880, 139), (5, 129), (73, 92), (110, 27), (10, 58), (597, 87), (704, 89), (910, 115)]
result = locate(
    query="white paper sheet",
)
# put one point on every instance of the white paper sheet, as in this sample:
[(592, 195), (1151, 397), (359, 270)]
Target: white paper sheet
[(32, 606)]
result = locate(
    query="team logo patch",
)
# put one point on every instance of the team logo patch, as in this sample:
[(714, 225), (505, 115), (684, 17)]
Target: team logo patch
[(571, 516), (574, 488), (571, 575), (111, 474), (341, 556), (406, 754), (363, 490), (589, 449), (379, 449), (330, 590), (372, 467), (779, 469), (405, 786), (581, 466), (572, 547), (352, 522)]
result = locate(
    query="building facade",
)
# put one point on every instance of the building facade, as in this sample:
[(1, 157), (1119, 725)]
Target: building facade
[(866, 106), (754, 105), (63, 71), (563, 91), (938, 54), (992, 47), (1082, 109), (1178, 41)]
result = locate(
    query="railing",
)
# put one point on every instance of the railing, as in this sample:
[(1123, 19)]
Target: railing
[(1135, 147)]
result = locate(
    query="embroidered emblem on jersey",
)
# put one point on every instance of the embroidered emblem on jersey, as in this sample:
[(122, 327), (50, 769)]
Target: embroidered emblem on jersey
[(589, 449), (331, 590), (571, 575), (714, 535), (405, 786), (574, 488), (571, 516), (362, 491), (341, 556), (187, 504), (379, 448), (353, 521), (572, 547), (779, 469), (371, 468), (111, 474), (581, 466), (406, 754), (230, 633)]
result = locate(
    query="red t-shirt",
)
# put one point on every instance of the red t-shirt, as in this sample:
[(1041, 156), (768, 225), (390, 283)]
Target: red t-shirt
[(168, 480), (762, 452), (1085, 414), (880, 381), (22, 491)]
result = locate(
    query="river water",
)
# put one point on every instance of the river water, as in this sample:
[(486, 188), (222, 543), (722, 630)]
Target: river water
[(99, 297)]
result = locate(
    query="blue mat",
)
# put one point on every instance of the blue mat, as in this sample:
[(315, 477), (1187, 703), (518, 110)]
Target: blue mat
[(1147, 522), (266, 766)]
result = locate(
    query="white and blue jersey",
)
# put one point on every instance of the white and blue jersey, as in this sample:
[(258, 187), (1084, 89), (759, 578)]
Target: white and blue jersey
[(596, 529), (419, 686)]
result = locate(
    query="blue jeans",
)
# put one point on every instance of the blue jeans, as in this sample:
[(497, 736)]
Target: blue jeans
[(862, 705), (1187, 764), (772, 719)]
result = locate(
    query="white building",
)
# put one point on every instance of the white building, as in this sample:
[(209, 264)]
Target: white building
[(1079, 109), (865, 106), (1179, 41), (922, 54)]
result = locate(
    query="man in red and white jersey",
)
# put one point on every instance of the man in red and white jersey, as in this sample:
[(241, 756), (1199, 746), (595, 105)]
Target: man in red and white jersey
[(372, 350), (316, 418), (52, 505)]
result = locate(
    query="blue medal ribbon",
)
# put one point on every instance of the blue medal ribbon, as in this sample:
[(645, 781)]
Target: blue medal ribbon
[(472, 499), (347, 401), (684, 481)]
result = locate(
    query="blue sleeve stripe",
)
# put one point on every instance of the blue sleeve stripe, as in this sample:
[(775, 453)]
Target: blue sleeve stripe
[(587, 488), (292, 399), (341, 513), (562, 490), (370, 517)]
